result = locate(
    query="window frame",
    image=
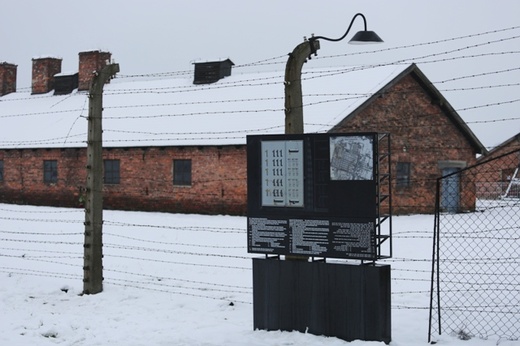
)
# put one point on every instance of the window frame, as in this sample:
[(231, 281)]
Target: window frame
[(403, 180), (111, 174), (182, 172), (50, 171)]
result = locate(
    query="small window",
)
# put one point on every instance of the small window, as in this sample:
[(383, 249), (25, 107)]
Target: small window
[(50, 171), (403, 174), (1, 170), (182, 172), (111, 171)]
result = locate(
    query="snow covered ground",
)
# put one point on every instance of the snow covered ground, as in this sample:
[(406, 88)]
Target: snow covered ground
[(172, 279)]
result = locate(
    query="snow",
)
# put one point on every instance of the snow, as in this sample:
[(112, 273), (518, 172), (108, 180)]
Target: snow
[(167, 109), (65, 73), (173, 111), (172, 279), (46, 56)]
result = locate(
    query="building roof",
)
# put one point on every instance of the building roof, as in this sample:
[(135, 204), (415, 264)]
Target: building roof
[(436, 96), (512, 143), (172, 111)]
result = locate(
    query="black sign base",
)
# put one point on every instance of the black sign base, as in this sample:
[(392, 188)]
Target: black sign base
[(345, 301)]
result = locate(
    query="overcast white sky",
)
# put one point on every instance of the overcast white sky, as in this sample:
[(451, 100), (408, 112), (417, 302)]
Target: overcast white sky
[(158, 35), (161, 36)]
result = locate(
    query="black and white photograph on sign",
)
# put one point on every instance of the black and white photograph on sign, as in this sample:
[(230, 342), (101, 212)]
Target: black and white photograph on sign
[(351, 158)]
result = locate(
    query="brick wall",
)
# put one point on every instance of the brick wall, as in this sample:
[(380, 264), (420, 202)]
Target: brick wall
[(496, 169), (43, 71), (90, 62), (7, 78), (218, 179), (23, 177), (421, 134)]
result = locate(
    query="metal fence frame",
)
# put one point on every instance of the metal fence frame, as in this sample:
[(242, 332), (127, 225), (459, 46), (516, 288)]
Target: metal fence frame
[(475, 276)]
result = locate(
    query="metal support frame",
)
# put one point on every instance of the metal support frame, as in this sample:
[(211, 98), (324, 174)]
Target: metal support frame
[(384, 195)]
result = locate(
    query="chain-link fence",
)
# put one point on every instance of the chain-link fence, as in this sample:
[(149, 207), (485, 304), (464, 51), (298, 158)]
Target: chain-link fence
[(475, 289)]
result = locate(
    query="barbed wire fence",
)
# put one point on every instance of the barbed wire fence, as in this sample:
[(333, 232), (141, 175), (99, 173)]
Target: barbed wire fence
[(475, 281), (200, 261), (142, 256)]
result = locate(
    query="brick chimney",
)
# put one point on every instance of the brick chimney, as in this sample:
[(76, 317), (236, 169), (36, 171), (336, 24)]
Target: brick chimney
[(7, 78), (90, 62), (43, 71)]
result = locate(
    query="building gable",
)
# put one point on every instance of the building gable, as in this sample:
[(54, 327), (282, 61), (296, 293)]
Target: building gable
[(512, 143), (435, 98), (426, 139)]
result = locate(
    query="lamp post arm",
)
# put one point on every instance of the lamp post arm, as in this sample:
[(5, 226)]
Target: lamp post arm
[(346, 32), (314, 38)]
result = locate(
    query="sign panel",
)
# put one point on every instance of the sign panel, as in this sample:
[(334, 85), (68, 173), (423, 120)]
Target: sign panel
[(320, 238), (313, 195), (282, 173)]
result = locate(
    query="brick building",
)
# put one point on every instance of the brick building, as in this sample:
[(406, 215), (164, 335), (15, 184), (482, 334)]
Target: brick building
[(429, 139), (499, 172), (177, 146)]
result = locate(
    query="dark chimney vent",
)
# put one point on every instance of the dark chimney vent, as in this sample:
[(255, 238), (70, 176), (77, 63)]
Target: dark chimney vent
[(90, 62), (7, 78), (65, 83), (43, 71), (211, 72)]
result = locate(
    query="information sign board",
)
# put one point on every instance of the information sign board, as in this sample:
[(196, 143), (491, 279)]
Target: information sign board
[(313, 195)]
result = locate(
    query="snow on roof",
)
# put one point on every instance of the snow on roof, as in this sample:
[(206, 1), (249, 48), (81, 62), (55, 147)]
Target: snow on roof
[(66, 73), (46, 56), (202, 61), (175, 112)]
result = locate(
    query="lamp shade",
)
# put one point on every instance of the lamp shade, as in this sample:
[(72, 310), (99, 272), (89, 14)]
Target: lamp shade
[(364, 37)]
